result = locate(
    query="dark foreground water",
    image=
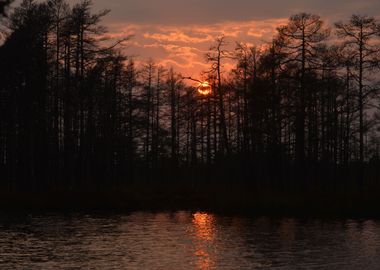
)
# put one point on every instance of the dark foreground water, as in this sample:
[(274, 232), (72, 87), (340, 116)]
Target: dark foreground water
[(185, 240)]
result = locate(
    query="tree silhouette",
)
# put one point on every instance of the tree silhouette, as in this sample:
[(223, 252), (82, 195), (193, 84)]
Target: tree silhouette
[(79, 113), (361, 38)]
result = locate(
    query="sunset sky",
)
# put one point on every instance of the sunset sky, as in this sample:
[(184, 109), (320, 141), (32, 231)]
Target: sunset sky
[(179, 32)]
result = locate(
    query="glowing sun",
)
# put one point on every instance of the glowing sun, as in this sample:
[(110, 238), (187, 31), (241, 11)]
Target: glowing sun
[(204, 88)]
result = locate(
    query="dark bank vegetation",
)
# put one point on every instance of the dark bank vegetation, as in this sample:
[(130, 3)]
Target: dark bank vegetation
[(297, 118)]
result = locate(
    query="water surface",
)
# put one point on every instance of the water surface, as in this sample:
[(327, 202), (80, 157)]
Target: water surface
[(185, 240)]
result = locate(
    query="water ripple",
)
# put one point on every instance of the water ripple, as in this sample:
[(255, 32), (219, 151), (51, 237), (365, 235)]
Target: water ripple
[(184, 240)]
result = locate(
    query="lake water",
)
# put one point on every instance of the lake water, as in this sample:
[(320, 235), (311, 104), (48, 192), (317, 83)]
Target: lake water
[(185, 240)]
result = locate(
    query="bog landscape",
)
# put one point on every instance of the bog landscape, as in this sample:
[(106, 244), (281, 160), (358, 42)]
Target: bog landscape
[(208, 127)]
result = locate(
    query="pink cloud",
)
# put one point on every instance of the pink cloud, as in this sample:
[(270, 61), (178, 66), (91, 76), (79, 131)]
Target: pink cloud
[(184, 47)]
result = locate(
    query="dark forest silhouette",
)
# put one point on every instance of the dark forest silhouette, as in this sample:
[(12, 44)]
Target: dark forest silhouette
[(300, 112)]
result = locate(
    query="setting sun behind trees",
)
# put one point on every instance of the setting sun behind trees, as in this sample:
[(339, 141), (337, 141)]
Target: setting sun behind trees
[(77, 108), (174, 143), (204, 88)]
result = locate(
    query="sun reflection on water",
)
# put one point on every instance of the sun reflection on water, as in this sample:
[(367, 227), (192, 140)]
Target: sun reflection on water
[(204, 228)]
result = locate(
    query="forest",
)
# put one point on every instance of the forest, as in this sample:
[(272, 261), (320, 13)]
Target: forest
[(76, 111)]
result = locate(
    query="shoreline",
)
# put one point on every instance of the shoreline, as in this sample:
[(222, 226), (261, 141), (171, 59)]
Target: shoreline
[(285, 204)]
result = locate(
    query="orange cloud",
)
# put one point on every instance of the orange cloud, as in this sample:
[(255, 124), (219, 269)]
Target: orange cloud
[(177, 36), (185, 46)]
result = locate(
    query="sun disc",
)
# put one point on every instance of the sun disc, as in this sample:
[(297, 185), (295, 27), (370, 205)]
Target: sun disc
[(204, 88)]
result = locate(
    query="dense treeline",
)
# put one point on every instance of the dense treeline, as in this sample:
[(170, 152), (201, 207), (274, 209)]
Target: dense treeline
[(74, 110)]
